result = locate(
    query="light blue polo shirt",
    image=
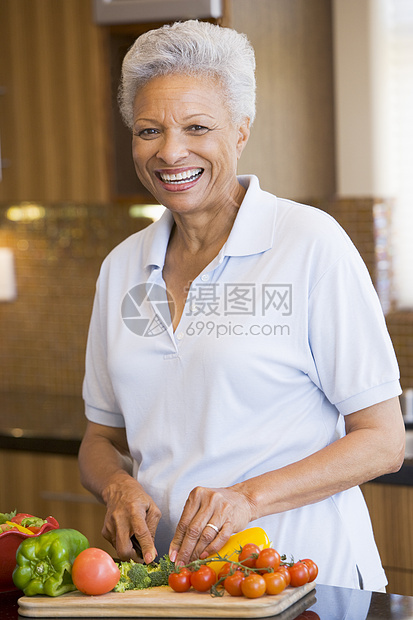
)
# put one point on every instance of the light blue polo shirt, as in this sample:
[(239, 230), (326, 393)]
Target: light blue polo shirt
[(282, 335)]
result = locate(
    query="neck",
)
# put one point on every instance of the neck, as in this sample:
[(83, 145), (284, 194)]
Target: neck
[(197, 232)]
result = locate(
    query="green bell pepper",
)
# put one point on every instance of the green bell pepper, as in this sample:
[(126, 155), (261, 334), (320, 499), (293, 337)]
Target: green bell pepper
[(44, 563)]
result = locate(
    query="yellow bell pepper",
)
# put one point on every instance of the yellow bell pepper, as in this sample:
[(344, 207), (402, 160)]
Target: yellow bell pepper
[(231, 548), (19, 527)]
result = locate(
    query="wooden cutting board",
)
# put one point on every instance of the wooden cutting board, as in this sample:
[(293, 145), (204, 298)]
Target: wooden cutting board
[(159, 602)]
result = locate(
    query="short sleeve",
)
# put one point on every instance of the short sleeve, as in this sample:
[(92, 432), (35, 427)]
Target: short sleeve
[(352, 350), (100, 401)]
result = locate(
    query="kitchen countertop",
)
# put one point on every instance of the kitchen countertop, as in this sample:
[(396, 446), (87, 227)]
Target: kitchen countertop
[(37, 422), (328, 603)]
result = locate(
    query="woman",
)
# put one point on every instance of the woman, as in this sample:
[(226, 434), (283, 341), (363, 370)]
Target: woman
[(237, 353)]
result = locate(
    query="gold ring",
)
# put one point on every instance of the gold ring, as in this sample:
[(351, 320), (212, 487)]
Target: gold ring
[(214, 527)]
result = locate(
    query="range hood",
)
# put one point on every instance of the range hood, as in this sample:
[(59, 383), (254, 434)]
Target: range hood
[(146, 11)]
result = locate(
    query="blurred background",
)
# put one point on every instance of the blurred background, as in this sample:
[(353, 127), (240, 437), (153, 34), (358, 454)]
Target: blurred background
[(334, 129)]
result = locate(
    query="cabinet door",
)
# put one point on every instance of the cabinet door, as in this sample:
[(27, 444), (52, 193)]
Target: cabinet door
[(48, 484), (391, 510), (54, 113)]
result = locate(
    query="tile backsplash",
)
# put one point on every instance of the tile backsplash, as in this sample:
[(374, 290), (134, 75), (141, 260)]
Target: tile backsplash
[(58, 250)]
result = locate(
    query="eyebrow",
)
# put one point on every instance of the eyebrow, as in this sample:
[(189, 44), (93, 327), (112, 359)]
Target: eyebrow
[(186, 119)]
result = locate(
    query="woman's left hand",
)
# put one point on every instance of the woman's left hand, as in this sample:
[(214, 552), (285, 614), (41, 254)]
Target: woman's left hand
[(227, 509)]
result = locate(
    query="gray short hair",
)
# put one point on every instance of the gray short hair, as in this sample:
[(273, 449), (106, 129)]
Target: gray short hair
[(192, 48)]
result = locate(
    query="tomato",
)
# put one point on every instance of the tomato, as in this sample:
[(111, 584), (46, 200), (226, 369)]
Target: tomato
[(180, 582), (284, 570), (226, 569), (312, 568), (299, 574), (95, 572), (253, 586), (249, 554), (233, 583), (203, 578), (274, 582), (18, 518), (268, 558)]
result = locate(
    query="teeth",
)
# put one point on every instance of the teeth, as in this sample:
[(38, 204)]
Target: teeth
[(181, 177)]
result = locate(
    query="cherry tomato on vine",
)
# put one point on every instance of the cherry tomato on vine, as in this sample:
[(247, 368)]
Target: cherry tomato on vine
[(299, 574), (233, 583), (268, 558), (248, 555), (253, 586), (226, 569), (312, 568), (203, 578), (283, 569), (180, 582), (95, 572), (274, 582)]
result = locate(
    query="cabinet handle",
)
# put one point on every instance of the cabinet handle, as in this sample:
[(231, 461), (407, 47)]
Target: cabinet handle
[(4, 163), (68, 497)]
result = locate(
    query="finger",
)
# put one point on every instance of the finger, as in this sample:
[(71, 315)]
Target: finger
[(120, 540), (189, 512), (125, 549), (153, 516), (146, 543), (197, 537), (217, 542)]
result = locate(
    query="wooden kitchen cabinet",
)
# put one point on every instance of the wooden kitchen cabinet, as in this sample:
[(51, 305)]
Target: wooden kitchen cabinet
[(391, 511), (62, 139), (48, 484)]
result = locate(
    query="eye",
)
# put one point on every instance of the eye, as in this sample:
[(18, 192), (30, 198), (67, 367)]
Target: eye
[(147, 134), (198, 129)]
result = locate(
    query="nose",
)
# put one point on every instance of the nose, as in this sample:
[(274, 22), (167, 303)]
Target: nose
[(172, 148)]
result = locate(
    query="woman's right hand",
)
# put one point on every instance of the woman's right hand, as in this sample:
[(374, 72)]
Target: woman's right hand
[(130, 511)]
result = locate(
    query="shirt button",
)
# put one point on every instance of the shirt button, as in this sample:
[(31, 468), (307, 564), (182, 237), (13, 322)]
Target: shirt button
[(180, 335), (205, 277)]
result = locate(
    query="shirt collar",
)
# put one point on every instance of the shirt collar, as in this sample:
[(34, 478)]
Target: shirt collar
[(252, 232), (254, 226)]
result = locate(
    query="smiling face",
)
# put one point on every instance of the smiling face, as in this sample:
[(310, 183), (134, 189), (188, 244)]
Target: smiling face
[(185, 144)]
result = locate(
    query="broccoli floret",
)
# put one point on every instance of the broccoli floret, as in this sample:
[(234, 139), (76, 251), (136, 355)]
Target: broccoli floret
[(157, 578), (123, 584), (139, 577), (159, 573), (135, 576), (166, 565)]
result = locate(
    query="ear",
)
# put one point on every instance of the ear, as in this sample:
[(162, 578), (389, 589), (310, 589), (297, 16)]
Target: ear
[(243, 135)]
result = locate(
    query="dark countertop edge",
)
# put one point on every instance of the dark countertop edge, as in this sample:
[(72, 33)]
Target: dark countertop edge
[(402, 477), (70, 446), (48, 445)]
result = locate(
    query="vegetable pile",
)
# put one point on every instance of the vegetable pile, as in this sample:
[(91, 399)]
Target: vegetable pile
[(252, 574), (20, 522), (61, 560)]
